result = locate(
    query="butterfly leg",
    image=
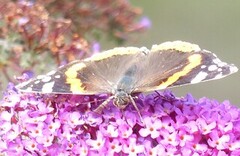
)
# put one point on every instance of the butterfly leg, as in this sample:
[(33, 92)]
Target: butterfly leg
[(135, 106), (104, 104)]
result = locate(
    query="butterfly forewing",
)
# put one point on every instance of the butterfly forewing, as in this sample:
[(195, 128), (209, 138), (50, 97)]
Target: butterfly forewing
[(98, 74)]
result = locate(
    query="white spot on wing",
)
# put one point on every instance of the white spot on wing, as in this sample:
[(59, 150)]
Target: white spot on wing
[(46, 79), (219, 69), (51, 72), (48, 87), (212, 67), (216, 60), (29, 89), (233, 69), (57, 76), (218, 76), (199, 77), (219, 63), (40, 76), (207, 51), (19, 86), (203, 66), (37, 81), (222, 64)]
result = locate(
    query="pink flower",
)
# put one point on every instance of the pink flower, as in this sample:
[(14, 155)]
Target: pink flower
[(132, 148), (217, 141), (170, 126), (204, 127), (169, 138), (98, 143), (114, 147), (152, 127)]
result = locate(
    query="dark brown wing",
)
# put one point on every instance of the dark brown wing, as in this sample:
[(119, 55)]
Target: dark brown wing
[(97, 74), (178, 63)]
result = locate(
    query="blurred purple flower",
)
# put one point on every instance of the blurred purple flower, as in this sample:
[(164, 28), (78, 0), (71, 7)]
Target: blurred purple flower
[(96, 48), (33, 124), (23, 20), (27, 74), (27, 3), (145, 22)]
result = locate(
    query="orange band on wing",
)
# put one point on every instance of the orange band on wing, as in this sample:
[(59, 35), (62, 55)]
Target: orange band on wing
[(72, 79), (194, 61)]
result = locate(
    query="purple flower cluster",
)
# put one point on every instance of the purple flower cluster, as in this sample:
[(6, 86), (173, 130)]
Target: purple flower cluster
[(34, 124)]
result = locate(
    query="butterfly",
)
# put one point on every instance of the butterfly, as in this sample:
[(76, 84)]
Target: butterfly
[(123, 71)]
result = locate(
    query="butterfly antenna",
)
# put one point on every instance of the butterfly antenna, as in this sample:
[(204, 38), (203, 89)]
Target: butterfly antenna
[(135, 106), (104, 104)]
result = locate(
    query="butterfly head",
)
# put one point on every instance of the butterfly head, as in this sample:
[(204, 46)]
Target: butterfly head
[(121, 99)]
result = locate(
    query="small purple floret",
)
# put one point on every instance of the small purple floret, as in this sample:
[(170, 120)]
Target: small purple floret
[(33, 124)]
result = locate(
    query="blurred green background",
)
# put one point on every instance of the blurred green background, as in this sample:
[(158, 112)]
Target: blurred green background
[(212, 24)]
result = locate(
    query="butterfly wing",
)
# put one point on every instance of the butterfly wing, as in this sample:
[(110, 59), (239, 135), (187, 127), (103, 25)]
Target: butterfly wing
[(94, 75), (178, 63), (166, 65)]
